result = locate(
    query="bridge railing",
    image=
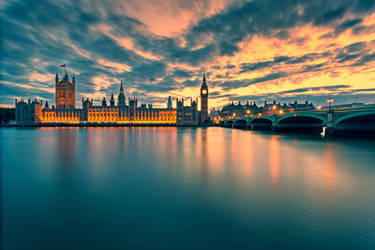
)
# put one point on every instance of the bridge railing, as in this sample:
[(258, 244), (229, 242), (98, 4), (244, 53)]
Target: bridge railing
[(300, 112)]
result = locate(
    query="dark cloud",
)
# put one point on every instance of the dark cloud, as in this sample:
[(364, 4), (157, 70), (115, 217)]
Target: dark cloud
[(226, 85), (354, 47), (245, 67), (300, 59), (330, 88), (344, 57), (283, 34), (153, 69), (182, 73), (230, 66), (313, 67), (364, 59), (347, 24), (165, 85), (330, 16)]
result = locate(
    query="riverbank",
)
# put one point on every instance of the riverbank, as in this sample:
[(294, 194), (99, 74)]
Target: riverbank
[(100, 125)]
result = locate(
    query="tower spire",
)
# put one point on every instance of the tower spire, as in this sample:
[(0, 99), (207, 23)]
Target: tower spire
[(121, 96), (204, 84)]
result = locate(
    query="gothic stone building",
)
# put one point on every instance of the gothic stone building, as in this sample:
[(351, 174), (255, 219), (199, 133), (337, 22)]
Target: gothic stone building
[(65, 92), (33, 113)]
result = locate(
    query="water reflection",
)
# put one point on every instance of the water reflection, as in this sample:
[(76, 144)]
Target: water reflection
[(66, 148), (330, 177), (120, 186), (274, 159), (203, 159)]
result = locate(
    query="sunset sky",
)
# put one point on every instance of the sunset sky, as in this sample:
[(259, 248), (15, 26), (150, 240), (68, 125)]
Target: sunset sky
[(266, 50)]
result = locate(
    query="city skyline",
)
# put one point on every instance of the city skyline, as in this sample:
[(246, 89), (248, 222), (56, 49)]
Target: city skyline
[(250, 51), (65, 112)]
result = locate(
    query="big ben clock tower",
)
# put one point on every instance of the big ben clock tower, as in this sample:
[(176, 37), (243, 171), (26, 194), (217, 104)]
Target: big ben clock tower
[(204, 100)]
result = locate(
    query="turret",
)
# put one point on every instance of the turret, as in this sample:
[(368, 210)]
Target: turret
[(104, 102), (169, 105), (57, 78), (112, 101), (66, 78)]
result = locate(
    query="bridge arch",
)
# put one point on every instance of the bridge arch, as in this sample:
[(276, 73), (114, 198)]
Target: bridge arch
[(240, 123), (300, 123), (261, 123), (298, 116), (353, 116), (229, 123), (261, 119)]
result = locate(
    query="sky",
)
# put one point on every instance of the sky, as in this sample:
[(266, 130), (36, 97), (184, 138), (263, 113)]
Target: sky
[(282, 50)]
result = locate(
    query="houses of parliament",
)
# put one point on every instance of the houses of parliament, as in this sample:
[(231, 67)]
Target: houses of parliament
[(35, 113)]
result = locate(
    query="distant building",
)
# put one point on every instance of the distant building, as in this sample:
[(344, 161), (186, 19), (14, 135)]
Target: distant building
[(267, 107), (301, 106), (28, 113), (32, 113), (238, 109), (7, 115), (187, 115)]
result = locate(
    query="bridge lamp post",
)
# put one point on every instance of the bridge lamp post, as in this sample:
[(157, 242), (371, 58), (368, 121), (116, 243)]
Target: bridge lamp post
[(330, 101), (281, 111)]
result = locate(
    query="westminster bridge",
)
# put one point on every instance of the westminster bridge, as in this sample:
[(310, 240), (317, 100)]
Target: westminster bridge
[(330, 121)]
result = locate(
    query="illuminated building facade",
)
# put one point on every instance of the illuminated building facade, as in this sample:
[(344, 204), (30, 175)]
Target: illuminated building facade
[(252, 108), (65, 91), (33, 113)]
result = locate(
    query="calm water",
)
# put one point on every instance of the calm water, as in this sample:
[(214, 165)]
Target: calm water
[(170, 188)]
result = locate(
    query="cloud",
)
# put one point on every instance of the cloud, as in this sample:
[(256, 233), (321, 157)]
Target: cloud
[(162, 48)]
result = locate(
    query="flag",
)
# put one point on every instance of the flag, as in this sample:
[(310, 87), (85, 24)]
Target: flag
[(63, 65)]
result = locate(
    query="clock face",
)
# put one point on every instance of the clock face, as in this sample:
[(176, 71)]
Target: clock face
[(204, 92)]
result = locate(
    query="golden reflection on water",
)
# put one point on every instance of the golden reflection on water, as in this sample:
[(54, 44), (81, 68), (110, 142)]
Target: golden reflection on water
[(208, 153), (274, 159), (329, 171), (66, 147)]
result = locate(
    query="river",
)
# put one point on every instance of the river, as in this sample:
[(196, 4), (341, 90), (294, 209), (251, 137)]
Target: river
[(184, 188)]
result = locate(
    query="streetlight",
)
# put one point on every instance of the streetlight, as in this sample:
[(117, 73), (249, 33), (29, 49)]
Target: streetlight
[(330, 101)]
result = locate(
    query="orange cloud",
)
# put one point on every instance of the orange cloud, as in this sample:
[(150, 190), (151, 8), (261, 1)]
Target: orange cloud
[(114, 67)]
